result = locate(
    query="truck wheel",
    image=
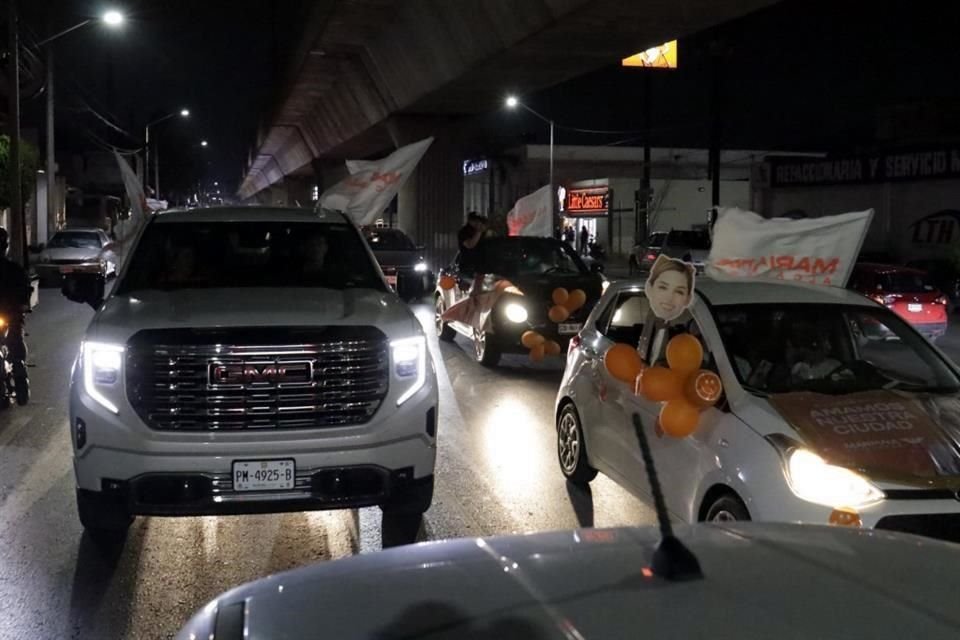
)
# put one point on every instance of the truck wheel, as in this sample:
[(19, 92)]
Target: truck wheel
[(105, 520), (444, 331), (487, 354)]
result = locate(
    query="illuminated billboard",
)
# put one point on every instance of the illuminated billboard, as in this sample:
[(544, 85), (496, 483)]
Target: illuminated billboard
[(663, 56)]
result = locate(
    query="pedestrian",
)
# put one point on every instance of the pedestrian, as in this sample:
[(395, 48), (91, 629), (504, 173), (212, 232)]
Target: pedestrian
[(584, 240), (570, 236), (469, 239)]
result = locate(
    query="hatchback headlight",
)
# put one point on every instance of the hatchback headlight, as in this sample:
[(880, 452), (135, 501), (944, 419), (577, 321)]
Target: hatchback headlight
[(813, 479), (420, 267), (102, 372), (409, 365), (515, 312)]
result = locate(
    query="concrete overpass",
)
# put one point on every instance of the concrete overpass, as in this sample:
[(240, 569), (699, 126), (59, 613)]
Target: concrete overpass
[(369, 75)]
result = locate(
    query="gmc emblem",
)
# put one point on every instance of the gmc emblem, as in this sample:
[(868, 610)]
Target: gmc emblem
[(222, 373)]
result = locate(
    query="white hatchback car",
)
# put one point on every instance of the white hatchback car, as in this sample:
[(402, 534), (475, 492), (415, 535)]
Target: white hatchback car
[(834, 410)]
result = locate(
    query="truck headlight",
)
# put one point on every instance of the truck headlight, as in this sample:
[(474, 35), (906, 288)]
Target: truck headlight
[(410, 364), (811, 478), (515, 312), (102, 368), (420, 267)]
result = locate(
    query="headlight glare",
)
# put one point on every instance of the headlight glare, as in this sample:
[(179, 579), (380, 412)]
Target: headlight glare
[(410, 361), (515, 312), (102, 365), (811, 478), (420, 267)]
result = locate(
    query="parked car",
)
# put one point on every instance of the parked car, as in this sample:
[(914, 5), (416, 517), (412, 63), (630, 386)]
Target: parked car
[(249, 360), (401, 260), (536, 266), (909, 292), (76, 250), (760, 581), (944, 275), (822, 417), (689, 245)]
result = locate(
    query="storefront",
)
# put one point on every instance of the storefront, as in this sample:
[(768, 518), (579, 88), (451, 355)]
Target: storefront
[(583, 206)]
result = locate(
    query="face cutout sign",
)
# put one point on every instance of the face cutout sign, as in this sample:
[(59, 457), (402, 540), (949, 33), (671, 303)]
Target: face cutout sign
[(669, 287)]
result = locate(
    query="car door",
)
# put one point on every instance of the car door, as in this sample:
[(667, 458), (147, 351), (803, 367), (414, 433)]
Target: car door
[(622, 322), (681, 462)]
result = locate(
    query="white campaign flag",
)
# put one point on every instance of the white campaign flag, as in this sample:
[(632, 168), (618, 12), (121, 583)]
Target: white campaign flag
[(127, 229), (532, 215), (813, 250), (372, 184)]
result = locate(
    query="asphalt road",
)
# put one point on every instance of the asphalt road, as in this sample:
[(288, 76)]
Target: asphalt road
[(497, 474)]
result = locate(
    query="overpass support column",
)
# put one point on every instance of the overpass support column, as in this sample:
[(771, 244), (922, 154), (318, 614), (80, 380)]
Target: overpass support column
[(430, 204)]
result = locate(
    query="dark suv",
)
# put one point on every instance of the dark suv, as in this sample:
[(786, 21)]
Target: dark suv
[(401, 260)]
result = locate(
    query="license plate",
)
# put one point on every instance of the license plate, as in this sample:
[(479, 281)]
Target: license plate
[(569, 329), (392, 281), (914, 308), (263, 475)]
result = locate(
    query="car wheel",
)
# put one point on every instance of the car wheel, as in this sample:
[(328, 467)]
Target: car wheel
[(571, 448), (21, 387), (487, 354), (444, 331), (727, 508), (105, 520)]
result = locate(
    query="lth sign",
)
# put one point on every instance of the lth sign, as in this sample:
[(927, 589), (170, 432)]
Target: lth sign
[(591, 202)]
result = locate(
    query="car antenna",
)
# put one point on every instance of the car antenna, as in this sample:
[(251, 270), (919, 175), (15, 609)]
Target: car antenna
[(672, 560)]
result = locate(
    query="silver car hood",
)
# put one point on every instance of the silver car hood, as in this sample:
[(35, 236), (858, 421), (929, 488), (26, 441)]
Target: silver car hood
[(71, 253), (761, 581)]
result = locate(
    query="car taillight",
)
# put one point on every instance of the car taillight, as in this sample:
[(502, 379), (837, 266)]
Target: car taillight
[(651, 257), (575, 343)]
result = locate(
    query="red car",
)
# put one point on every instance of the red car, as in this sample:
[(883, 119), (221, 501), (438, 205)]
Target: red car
[(907, 292)]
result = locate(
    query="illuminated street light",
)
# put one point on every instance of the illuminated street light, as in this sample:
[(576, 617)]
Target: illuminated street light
[(512, 102), (185, 112), (113, 18), (203, 143)]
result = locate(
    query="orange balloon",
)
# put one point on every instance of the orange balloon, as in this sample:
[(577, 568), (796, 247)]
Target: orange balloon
[(537, 353), (558, 313), (623, 362), (447, 283), (551, 348), (703, 389), (560, 295), (575, 300), (684, 353), (660, 384), (530, 339), (679, 418)]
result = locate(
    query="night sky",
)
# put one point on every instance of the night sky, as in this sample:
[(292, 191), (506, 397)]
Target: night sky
[(801, 75)]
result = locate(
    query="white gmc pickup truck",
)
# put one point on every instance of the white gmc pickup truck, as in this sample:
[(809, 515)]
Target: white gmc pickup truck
[(249, 361)]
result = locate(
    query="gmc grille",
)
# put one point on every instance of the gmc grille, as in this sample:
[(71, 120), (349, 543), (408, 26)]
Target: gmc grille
[(257, 379)]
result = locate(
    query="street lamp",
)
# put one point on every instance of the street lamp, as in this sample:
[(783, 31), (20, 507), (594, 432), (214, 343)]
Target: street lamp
[(183, 113), (203, 143), (112, 19), (512, 102)]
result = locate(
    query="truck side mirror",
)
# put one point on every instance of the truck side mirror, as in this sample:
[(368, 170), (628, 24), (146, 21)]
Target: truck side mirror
[(85, 288)]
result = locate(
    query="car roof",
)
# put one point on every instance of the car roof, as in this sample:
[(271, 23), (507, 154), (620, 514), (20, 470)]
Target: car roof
[(249, 214), (873, 267), (765, 291)]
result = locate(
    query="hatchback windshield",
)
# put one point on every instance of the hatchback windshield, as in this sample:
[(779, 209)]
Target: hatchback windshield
[(390, 240), (75, 240), (250, 254), (530, 256), (833, 349)]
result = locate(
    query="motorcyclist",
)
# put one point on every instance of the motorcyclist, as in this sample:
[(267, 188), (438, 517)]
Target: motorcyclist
[(14, 300)]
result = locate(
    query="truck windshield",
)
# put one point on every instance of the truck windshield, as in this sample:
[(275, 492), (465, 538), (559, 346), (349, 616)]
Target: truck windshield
[(199, 255)]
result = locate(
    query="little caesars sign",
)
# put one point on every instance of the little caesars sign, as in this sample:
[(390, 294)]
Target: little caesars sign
[(884, 167)]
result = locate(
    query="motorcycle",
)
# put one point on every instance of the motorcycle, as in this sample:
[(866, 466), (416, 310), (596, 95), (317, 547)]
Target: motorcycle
[(596, 251), (14, 383)]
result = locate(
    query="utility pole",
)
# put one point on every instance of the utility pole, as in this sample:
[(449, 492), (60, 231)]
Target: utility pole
[(642, 231), (18, 230), (716, 117), (51, 161)]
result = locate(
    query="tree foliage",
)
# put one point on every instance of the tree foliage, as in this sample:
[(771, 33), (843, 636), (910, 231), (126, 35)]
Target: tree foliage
[(29, 161)]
